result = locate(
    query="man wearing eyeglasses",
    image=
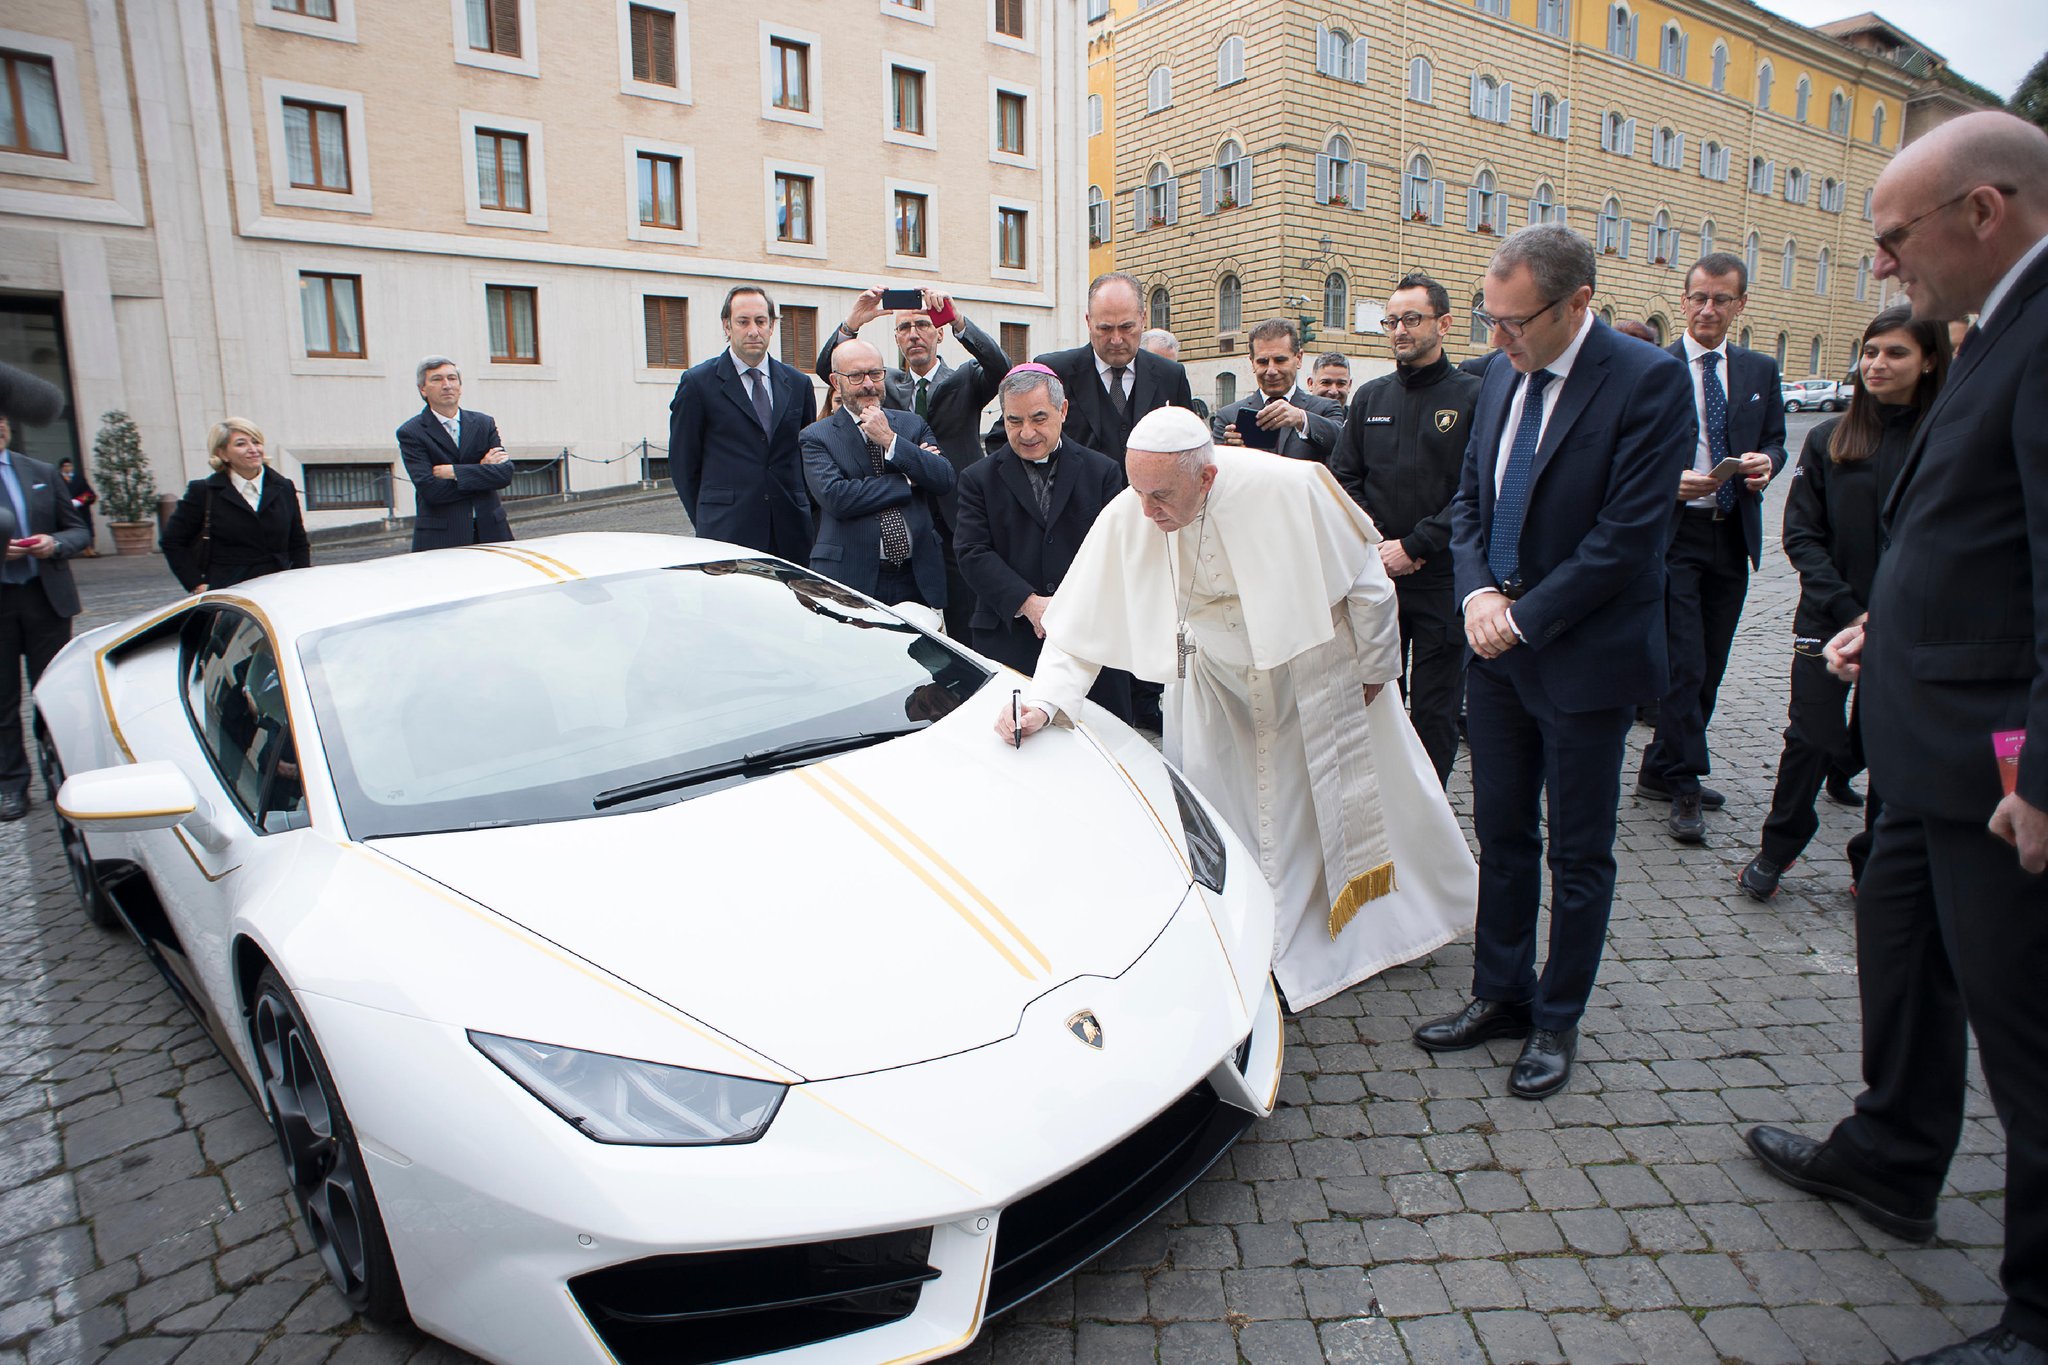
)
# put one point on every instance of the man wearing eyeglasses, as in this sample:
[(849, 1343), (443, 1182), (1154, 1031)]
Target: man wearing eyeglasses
[(1557, 543), (877, 476), (1399, 454), (1718, 537), (1952, 907)]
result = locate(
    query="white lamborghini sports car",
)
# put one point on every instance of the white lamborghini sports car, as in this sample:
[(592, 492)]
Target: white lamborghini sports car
[(647, 952)]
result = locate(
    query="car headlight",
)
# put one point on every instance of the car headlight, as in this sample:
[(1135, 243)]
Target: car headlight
[(642, 1104), (1205, 845)]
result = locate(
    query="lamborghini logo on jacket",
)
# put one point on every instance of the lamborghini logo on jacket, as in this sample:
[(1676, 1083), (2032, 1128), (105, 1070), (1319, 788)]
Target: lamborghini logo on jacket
[(1446, 418), (1087, 1028)]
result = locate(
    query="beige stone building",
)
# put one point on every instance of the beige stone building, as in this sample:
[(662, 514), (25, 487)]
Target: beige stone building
[(1296, 160), (274, 208)]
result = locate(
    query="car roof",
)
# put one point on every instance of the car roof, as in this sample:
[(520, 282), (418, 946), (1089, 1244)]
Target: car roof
[(306, 600)]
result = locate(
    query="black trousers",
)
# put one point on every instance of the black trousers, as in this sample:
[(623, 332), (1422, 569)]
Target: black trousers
[(1432, 664), (1949, 929), (896, 583), (1523, 747), (959, 597), (1708, 577), (31, 633), (1820, 737)]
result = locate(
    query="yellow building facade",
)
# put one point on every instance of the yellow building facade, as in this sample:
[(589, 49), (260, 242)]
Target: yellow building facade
[(1296, 161)]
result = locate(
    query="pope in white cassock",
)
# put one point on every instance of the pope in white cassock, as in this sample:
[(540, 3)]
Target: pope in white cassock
[(1251, 587)]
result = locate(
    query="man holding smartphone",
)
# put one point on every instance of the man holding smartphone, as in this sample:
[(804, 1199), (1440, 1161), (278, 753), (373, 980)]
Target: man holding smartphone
[(1718, 538), (1282, 416), (949, 397)]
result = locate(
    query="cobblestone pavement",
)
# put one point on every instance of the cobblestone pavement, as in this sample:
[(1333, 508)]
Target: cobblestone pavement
[(1397, 1207)]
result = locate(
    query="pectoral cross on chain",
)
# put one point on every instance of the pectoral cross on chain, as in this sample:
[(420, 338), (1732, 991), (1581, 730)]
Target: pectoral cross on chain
[(1185, 648)]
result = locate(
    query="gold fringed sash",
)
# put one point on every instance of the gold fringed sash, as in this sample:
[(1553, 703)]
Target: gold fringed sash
[(1369, 886)]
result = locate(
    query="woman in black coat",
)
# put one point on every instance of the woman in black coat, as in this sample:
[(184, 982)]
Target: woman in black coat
[(240, 523), (1832, 539)]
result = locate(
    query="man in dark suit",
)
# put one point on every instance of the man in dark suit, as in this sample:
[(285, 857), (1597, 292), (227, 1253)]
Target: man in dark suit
[(949, 398), (877, 475), (37, 598), (1112, 382), (1718, 537), (1301, 425), (1952, 908), (732, 437), (1557, 541), (1024, 512), (456, 464)]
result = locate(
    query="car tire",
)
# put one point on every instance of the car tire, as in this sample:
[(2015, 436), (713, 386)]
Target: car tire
[(1792, 406), (323, 1161), (85, 878), (1831, 406)]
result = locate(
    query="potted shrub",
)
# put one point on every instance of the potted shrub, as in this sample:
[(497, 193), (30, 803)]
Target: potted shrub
[(1158, 220), (1338, 201), (1228, 201), (127, 485), (1419, 216), (1486, 229)]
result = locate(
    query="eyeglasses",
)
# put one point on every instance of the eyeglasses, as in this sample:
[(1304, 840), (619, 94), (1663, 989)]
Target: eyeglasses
[(862, 376), (1718, 300), (1410, 320), (1514, 327), (1891, 239)]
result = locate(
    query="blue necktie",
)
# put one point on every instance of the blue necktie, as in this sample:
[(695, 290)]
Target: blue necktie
[(757, 388), (1504, 543), (23, 569), (1717, 427)]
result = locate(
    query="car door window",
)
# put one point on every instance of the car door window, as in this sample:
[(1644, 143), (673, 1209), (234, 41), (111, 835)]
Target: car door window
[(235, 698)]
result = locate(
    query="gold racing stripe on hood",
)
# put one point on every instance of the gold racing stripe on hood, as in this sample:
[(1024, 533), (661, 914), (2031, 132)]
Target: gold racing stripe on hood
[(899, 840), (533, 562)]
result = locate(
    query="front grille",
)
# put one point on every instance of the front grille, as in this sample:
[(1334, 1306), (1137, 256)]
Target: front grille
[(1046, 1236), (722, 1305)]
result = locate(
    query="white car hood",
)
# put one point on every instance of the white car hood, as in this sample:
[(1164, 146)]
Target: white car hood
[(882, 908)]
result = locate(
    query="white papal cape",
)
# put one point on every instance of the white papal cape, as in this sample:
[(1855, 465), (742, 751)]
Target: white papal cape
[(1290, 613)]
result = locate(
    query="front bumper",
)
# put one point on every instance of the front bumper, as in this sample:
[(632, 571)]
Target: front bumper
[(1020, 1161)]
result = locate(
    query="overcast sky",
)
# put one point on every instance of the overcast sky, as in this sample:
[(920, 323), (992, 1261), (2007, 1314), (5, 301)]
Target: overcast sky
[(1993, 42)]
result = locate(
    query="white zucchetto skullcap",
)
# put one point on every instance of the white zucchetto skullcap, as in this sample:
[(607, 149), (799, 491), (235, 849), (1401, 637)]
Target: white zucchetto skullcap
[(1169, 429)]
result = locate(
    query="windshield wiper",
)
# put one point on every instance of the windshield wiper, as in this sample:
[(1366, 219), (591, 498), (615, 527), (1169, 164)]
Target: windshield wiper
[(759, 763)]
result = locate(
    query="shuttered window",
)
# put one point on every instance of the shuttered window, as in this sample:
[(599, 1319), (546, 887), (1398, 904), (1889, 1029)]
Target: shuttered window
[(654, 45), (494, 26), (668, 332), (800, 337)]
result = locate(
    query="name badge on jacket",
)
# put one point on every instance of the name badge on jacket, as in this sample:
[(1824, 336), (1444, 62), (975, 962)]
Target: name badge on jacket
[(1379, 421)]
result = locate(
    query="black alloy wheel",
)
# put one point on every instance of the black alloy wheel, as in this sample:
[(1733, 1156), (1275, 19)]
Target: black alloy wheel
[(322, 1159), (85, 878)]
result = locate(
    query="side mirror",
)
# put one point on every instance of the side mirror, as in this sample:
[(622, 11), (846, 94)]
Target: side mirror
[(138, 797), (921, 616)]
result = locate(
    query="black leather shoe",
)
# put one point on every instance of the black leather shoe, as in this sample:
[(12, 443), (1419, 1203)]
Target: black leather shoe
[(1999, 1346), (1841, 793), (1760, 878), (1687, 825), (1807, 1165), (1545, 1064), (1473, 1025), (1648, 789), (13, 805)]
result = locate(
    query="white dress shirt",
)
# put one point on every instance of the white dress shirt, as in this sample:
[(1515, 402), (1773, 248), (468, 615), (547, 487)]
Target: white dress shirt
[(1702, 450), (1102, 368), (747, 385), (2005, 285), (453, 426), (250, 489)]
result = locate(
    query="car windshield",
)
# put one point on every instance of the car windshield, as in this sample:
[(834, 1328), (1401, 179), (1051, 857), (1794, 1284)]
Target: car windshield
[(556, 702)]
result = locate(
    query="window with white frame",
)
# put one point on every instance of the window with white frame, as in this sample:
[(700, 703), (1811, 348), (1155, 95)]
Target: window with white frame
[(1340, 175), (1492, 99), (793, 205), (1867, 197), (792, 76), (1421, 80), (334, 20), (330, 313), (1228, 183), (1011, 120), (1336, 300), (1553, 17), (1486, 208), (1795, 186), (1013, 238), (1229, 303), (318, 157), (1480, 334), (907, 87), (1621, 31), (1706, 237), (1720, 72), (1230, 61), (1663, 239), (910, 217), (501, 177), (506, 165), (1550, 116), (1766, 77), (1788, 263), (1832, 194), (1802, 95), (1667, 148), (654, 50), (1713, 161), (1780, 351), (1863, 279), (1159, 89), (1838, 114), (1159, 309), (1159, 199), (1422, 195), (1813, 357), (497, 35), (1543, 204), (652, 36), (1751, 248), (1098, 216), (1094, 114), (1820, 271), (1497, 8), (1339, 55), (1612, 238), (660, 179), (1618, 134), (1009, 18), (316, 146), (1672, 47), (1877, 126), (661, 193), (1762, 175), (512, 313)]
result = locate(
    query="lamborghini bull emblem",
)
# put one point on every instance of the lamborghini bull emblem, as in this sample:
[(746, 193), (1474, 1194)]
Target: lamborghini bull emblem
[(1087, 1028), (1446, 418)]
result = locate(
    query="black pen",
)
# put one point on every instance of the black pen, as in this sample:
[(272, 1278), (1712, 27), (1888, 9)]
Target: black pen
[(1016, 719)]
